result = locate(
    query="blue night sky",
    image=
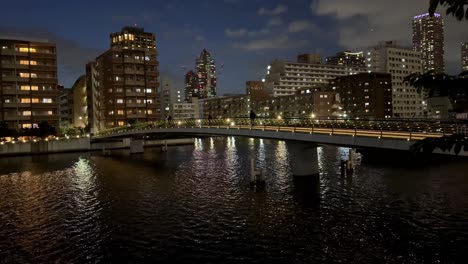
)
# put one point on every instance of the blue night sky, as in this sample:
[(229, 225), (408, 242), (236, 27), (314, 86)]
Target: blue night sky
[(244, 35)]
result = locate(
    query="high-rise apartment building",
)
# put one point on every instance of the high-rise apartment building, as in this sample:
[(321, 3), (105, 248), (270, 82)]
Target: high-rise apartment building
[(123, 81), (206, 74), (311, 58), (191, 86), (389, 57), (365, 95), (28, 83), (347, 58), (288, 77), (464, 56), (428, 38), (79, 106)]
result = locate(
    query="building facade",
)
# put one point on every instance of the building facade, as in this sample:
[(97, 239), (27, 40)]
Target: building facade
[(365, 95), (28, 84), (310, 58), (464, 56), (286, 78), (170, 95), (185, 110), (428, 38), (191, 86), (80, 105), (347, 58), (389, 57), (303, 104), (124, 81), (65, 107), (206, 75)]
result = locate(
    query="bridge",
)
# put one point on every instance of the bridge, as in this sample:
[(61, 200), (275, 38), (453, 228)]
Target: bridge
[(378, 134)]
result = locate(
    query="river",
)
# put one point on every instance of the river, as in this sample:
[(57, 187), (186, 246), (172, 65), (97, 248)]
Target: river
[(194, 204)]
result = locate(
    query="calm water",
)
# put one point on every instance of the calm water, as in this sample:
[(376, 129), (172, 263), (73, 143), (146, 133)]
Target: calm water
[(194, 204)]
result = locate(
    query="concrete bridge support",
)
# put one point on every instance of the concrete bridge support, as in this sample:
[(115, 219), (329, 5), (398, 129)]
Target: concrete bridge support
[(304, 159), (136, 146)]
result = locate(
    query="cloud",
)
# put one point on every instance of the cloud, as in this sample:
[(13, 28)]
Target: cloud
[(277, 43), (245, 33), (275, 21), (272, 12), (364, 23), (200, 38), (302, 25), (71, 56)]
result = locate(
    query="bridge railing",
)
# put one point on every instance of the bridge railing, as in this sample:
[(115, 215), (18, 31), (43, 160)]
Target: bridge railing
[(431, 128)]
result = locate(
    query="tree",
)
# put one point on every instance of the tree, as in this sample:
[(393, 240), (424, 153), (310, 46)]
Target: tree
[(4, 131), (457, 8), (440, 84), (457, 142), (46, 130)]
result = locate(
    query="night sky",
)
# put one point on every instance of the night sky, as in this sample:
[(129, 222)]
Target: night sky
[(244, 35)]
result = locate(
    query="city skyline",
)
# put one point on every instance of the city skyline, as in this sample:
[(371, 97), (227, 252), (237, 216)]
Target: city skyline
[(282, 31)]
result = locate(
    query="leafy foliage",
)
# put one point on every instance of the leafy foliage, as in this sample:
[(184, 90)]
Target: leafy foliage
[(457, 8), (440, 84), (457, 142), (5, 131)]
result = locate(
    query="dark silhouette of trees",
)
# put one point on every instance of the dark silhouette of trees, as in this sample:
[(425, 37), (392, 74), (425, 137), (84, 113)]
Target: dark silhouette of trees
[(457, 142), (45, 129), (440, 84), (456, 8)]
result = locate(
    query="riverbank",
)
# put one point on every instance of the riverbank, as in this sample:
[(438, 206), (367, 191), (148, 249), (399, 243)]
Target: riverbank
[(77, 145)]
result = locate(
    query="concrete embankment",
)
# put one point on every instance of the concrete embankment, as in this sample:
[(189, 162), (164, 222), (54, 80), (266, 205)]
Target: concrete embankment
[(77, 145)]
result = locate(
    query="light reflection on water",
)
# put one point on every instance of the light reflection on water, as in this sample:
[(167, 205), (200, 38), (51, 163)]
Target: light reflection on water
[(195, 204)]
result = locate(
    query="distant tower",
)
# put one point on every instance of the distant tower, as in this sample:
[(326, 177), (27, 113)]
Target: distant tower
[(191, 83), (428, 38), (206, 74), (464, 52)]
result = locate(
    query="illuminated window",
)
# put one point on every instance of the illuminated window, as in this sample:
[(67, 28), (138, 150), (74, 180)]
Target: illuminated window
[(150, 112), (121, 123), (120, 101), (120, 112), (24, 62), (50, 112), (149, 90), (34, 88), (24, 49), (149, 101), (25, 88), (7, 101), (35, 100), (25, 100), (26, 126), (24, 75), (47, 100), (26, 113)]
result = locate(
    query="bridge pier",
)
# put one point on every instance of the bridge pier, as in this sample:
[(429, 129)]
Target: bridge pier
[(136, 146), (304, 160)]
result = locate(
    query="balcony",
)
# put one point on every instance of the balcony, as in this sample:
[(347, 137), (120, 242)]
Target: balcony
[(17, 117), (12, 78), (49, 106), (11, 65), (136, 116), (46, 92), (39, 118), (135, 105), (133, 82), (44, 68), (40, 55)]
